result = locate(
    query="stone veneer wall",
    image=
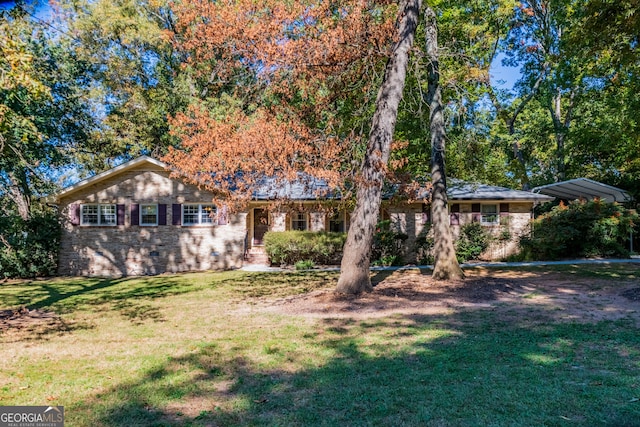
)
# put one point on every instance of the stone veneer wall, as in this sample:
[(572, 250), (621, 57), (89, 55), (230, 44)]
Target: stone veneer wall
[(127, 249)]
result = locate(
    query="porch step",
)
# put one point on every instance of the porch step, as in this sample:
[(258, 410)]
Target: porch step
[(256, 256)]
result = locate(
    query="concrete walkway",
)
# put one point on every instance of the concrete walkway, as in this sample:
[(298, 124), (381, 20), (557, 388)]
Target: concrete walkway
[(635, 260)]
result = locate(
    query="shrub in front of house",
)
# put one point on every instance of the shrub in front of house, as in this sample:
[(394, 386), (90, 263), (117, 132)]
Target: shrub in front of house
[(473, 240), (580, 229), (424, 246), (387, 244), (290, 247), (307, 264)]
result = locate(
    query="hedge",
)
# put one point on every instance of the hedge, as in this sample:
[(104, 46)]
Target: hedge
[(289, 247)]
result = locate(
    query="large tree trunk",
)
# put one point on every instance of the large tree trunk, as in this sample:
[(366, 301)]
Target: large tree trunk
[(561, 128), (16, 191), (354, 270), (446, 264)]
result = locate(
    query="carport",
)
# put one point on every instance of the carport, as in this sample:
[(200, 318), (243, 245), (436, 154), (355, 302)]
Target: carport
[(584, 188)]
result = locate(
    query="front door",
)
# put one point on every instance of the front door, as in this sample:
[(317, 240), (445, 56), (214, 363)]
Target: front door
[(260, 225)]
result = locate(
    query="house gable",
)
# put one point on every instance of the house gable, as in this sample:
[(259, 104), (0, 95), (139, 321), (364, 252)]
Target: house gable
[(143, 162)]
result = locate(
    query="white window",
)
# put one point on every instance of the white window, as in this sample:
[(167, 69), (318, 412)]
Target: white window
[(193, 214), (489, 214), (98, 215), (148, 214), (299, 221)]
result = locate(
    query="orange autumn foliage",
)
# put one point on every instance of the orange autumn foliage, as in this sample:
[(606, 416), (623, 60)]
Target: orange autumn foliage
[(287, 64), (232, 155)]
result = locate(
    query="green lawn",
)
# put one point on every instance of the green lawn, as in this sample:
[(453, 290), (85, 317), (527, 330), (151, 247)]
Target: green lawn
[(198, 349)]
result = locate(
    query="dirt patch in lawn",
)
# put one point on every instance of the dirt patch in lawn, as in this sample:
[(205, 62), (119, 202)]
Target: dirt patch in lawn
[(556, 295), (36, 323)]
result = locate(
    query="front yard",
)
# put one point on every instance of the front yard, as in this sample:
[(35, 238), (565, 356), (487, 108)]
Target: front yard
[(537, 346)]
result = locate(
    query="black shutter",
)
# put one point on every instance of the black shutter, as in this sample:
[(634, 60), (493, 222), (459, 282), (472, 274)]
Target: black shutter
[(162, 214), (425, 218), (504, 213), (426, 213), (135, 214), (476, 216), (120, 214), (176, 214)]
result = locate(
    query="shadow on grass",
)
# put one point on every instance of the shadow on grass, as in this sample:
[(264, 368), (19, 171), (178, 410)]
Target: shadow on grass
[(465, 369), (35, 325), (276, 284), (66, 295), (616, 271), (131, 297), (380, 276)]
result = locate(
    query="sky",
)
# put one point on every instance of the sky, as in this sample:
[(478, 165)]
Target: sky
[(41, 6), (503, 77)]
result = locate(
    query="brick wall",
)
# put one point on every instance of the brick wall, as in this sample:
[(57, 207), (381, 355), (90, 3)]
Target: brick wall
[(128, 249), (410, 220), (516, 221)]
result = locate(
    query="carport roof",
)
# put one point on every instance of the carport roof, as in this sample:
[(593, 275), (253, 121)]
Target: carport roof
[(583, 188), (462, 190)]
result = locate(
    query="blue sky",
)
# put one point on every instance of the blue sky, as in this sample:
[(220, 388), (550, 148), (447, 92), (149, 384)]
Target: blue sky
[(503, 77), (42, 6)]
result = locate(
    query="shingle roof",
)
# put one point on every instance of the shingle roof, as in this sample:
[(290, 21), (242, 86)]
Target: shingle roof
[(303, 188), (310, 188)]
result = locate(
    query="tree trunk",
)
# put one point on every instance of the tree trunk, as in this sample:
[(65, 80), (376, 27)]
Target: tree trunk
[(446, 264), (21, 198), (354, 270), (556, 116), (561, 128)]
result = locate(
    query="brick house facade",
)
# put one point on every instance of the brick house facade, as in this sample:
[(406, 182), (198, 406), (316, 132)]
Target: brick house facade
[(136, 220)]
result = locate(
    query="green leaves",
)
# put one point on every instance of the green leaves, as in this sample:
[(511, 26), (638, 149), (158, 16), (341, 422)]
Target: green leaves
[(582, 228), (43, 116)]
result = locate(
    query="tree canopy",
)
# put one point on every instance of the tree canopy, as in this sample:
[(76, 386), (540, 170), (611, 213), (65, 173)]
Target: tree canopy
[(44, 119), (300, 74)]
